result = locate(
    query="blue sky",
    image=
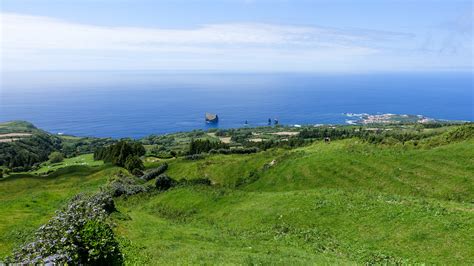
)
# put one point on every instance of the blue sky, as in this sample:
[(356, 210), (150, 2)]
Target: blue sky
[(290, 36)]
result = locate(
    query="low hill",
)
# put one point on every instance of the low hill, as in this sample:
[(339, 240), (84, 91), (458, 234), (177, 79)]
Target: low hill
[(23, 145), (394, 195), (344, 202)]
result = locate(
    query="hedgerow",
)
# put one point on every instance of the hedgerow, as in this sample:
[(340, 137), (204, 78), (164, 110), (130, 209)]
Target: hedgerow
[(236, 151), (149, 175), (194, 181), (164, 182), (195, 157), (123, 185), (77, 234)]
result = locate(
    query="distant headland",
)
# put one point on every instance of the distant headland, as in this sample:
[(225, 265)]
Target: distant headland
[(364, 119)]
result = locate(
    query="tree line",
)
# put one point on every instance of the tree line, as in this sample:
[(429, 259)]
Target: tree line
[(124, 154)]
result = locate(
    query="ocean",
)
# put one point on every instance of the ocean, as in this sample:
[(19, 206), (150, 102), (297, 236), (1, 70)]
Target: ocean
[(139, 103)]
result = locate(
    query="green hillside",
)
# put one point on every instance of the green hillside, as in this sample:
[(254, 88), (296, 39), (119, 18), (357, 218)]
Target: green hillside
[(386, 197), (346, 201), (29, 201)]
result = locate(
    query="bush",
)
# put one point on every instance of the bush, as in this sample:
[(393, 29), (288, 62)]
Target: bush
[(460, 133), (61, 240), (155, 172), (121, 184), (195, 181), (101, 246), (56, 157), (137, 172), (164, 182), (195, 157)]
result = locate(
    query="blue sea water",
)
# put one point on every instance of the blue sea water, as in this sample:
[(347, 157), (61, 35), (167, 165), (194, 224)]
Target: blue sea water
[(136, 104)]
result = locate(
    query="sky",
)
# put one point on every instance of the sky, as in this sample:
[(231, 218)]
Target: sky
[(245, 35)]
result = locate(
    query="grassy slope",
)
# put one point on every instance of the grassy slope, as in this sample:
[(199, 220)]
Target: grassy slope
[(29, 201), (17, 126), (443, 172), (341, 202), (85, 159), (345, 201)]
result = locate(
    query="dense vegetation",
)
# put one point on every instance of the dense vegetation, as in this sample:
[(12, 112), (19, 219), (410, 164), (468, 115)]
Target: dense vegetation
[(74, 146), (78, 234), (153, 173), (123, 153), (27, 146), (201, 146), (391, 194), (22, 153)]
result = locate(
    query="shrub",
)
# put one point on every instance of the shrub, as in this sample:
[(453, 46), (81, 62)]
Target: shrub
[(61, 240), (101, 246), (195, 157), (149, 175), (163, 155), (460, 133), (56, 157), (137, 172), (195, 181), (245, 150), (235, 151), (164, 182), (124, 185)]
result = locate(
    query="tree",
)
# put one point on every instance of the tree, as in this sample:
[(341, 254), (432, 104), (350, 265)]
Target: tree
[(56, 157), (119, 152), (138, 149), (1, 173), (133, 162), (199, 146)]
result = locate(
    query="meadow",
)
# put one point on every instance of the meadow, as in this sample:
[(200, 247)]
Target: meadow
[(28, 201), (344, 202)]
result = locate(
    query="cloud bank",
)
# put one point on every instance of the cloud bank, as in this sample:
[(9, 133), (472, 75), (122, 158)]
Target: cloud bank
[(42, 43)]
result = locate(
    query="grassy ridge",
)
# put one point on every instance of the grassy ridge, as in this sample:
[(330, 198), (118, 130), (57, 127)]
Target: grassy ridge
[(444, 172), (341, 202), (29, 201)]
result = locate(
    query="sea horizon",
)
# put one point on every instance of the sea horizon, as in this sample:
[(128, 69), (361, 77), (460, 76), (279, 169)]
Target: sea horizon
[(136, 104)]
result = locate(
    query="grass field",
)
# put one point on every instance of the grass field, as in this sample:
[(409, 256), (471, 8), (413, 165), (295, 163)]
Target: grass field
[(340, 203), (29, 201), (81, 160), (326, 203)]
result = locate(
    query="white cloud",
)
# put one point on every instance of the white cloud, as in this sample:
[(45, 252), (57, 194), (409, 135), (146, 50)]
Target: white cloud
[(42, 43)]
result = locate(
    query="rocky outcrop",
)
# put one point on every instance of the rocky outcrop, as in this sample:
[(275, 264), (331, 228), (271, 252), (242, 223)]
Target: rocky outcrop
[(211, 118)]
